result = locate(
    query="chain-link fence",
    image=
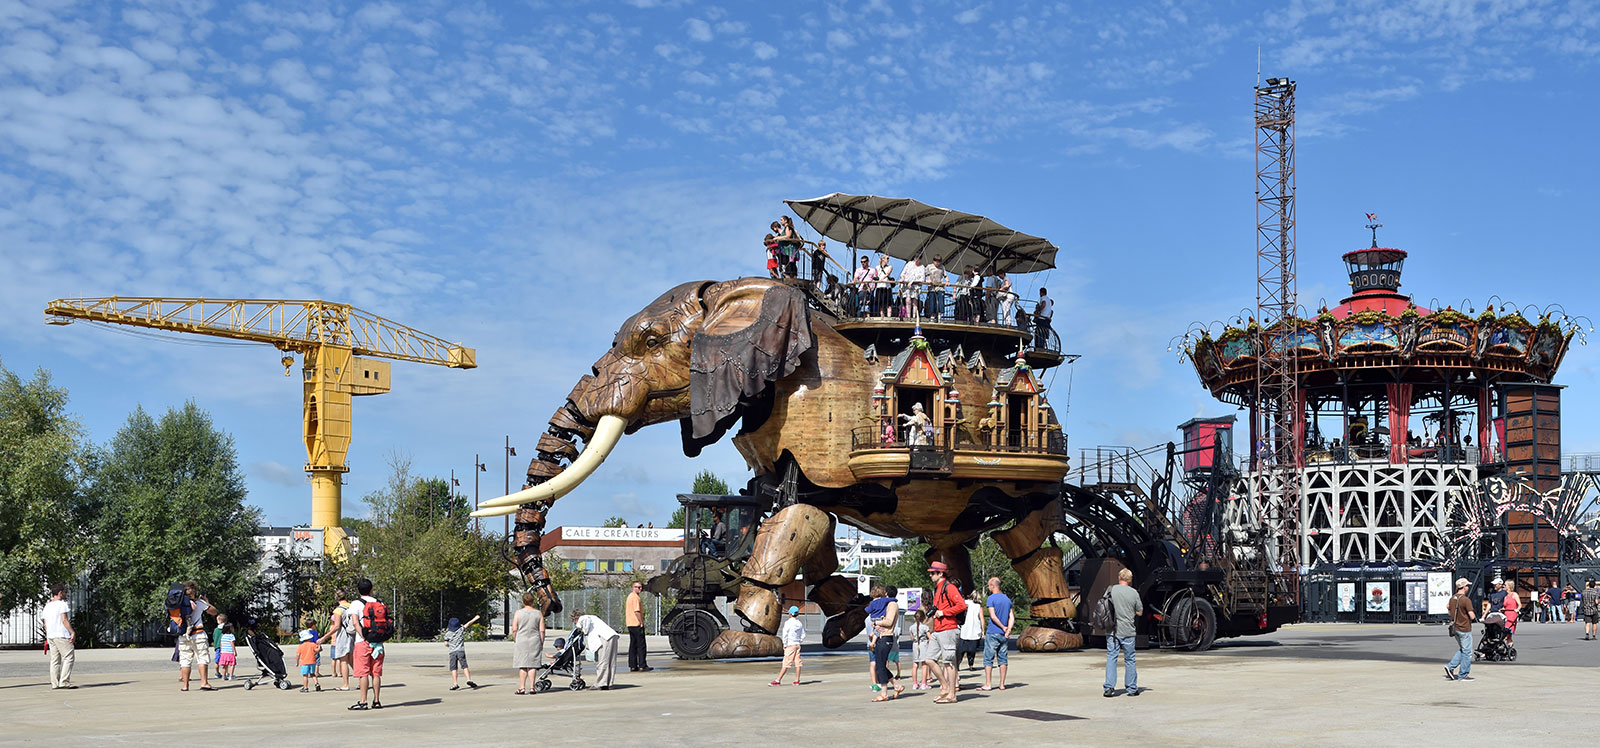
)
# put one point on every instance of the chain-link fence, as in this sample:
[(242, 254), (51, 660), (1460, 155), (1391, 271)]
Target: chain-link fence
[(609, 603)]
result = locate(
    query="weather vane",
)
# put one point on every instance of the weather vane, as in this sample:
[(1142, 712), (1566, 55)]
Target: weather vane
[(1372, 223)]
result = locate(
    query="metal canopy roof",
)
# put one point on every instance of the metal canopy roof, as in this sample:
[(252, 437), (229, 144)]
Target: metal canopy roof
[(904, 228)]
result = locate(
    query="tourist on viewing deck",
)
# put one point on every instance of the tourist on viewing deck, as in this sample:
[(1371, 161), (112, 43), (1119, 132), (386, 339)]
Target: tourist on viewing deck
[(790, 243), (60, 637), (917, 426), (1461, 617), (999, 619), (963, 295), (948, 607), (1127, 607), (770, 242), (912, 287), (1042, 314), (883, 294), (862, 290), (819, 256), (1005, 298), (935, 278)]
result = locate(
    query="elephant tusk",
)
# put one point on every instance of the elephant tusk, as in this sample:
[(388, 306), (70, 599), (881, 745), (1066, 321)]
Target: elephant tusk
[(606, 435), (496, 511)]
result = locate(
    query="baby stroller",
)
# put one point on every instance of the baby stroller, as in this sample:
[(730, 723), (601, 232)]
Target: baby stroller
[(1494, 648), (568, 662), (269, 660)]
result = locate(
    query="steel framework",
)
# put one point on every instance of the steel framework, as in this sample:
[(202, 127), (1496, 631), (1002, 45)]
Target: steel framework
[(1277, 392)]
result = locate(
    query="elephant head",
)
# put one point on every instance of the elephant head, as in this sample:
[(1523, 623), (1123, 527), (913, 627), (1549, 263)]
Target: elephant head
[(704, 353)]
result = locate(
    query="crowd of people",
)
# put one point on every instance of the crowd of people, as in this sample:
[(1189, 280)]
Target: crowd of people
[(1503, 608), (921, 288)]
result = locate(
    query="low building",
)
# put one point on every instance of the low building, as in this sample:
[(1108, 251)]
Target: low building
[(607, 553)]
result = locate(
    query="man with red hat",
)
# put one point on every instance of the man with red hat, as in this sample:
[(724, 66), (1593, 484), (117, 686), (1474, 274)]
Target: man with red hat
[(949, 609)]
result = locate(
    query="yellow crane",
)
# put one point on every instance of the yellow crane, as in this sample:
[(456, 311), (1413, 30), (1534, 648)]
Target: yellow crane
[(339, 345)]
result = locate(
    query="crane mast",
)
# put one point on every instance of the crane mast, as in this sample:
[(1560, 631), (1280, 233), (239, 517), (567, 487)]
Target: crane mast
[(345, 353)]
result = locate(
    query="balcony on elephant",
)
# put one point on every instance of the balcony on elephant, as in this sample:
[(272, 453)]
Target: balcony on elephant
[(956, 451), (977, 318)]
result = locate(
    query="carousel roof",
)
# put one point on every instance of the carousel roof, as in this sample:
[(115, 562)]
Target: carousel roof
[(904, 228)]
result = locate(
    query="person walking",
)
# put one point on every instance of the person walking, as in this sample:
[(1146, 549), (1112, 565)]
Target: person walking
[(527, 630), (602, 639), (1000, 618), (635, 621), (373, 628), (1590, 607), (194, 649), (216, 644), (884, 614), (1557, 605), (792, 633), (1571, 597), (455, 642), (306, 657), (1461, 617), (341, 631), (227, 653), (948, 609), (972, 631), (60, 638), (1126, 606)]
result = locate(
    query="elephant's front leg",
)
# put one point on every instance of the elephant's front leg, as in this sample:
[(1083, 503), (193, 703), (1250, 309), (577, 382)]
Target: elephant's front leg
[(1040, 569), (792, 538)]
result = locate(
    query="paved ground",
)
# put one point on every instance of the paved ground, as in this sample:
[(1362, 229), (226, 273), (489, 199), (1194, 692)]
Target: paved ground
[(1335, 684)]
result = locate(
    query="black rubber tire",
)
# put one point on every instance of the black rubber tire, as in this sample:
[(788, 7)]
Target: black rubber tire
[(692, 632), (1194, 625), (578, 684), (541, 685)]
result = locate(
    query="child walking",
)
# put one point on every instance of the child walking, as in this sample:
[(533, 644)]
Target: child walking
[(226, 657), (792, 633), (455, 640), (921, 634), (306, 656)]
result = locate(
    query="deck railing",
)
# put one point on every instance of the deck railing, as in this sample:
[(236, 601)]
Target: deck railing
[(1037, 441), (975, 305)]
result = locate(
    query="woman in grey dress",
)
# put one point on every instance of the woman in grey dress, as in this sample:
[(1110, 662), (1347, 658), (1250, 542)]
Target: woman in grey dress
[(528, 632)]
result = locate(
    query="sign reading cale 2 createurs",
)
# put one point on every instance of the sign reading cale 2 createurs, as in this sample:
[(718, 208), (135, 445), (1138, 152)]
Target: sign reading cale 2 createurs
[(647, 534)]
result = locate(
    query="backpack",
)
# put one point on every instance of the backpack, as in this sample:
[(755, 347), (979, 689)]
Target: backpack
[(376, 625), (962, 616), (178, 611), (1104, 615)]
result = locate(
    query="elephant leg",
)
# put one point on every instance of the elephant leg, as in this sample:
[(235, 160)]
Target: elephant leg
[(837, 597), (790, 539), (1041, 572)]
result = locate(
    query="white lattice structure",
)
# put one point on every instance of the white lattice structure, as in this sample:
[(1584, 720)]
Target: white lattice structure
[(1365, 510)]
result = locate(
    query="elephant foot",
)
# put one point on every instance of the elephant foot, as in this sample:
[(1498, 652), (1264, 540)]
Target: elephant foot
[(736, 644), (843, 627), (1040, 639)]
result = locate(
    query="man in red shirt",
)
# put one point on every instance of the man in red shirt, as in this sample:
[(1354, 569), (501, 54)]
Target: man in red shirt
[(949, 609)]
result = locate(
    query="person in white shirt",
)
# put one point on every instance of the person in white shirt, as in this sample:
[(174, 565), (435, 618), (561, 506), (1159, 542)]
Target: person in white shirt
[(602, 640), (1042, 312), (911, 277), (58, 631), (971, 632), (367, 658), (194, 647), (792, 633), (862, 288), (935, 278)]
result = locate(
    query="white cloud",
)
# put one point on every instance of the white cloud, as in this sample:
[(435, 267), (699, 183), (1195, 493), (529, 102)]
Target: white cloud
[(764, 51), (840, 39), (699, 30), (970, 15), (293, 79)]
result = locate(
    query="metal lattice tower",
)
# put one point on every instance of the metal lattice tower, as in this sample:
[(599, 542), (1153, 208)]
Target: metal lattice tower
[(1277, 392)]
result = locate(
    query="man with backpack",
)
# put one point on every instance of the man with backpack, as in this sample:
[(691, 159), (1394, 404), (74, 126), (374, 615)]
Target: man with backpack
[(950, 608), (373, 628), (1123, 604), (194, 646)]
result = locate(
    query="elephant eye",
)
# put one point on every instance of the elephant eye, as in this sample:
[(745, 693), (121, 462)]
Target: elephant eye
[(654, 341)]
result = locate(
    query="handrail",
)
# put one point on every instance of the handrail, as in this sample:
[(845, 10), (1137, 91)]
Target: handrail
[(865, 300), (1041, 440)]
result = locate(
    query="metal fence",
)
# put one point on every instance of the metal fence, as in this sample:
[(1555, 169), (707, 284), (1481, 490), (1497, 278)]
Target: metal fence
[(26, 627)]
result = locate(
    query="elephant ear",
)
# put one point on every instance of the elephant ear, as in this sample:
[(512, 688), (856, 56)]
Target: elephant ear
[(755, 332)]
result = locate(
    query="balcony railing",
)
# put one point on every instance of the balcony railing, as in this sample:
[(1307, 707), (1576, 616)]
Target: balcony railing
[(1038, 441), (966, 305)]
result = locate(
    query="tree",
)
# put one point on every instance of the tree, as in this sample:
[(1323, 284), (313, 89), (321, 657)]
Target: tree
[(44, 509), (419, 547), (615, 522), (705, 482), (562, 576), (171, 509), (909, 571)]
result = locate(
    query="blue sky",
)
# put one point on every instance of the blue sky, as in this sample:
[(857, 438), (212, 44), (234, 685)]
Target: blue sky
[(522, 177)]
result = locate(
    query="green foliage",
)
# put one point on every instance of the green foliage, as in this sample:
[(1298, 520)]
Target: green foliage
[(420, 551), (707, 482), (44, 511), (679, 516), (561, 577), (615, 522), (171, 509)]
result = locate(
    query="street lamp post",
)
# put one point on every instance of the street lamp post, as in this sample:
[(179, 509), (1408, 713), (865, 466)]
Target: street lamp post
[(506, 603)]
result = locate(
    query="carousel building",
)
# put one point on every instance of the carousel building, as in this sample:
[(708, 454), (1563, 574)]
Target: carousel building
[(1400, 410)]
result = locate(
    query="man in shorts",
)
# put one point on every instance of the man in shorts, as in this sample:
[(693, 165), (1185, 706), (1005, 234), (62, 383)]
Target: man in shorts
[(948, 605), (368, 658), (194, 647)]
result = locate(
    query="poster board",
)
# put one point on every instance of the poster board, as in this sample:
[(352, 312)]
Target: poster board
[(1438, 592), (1377, 597), (1416, 597), (1347, 597)]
